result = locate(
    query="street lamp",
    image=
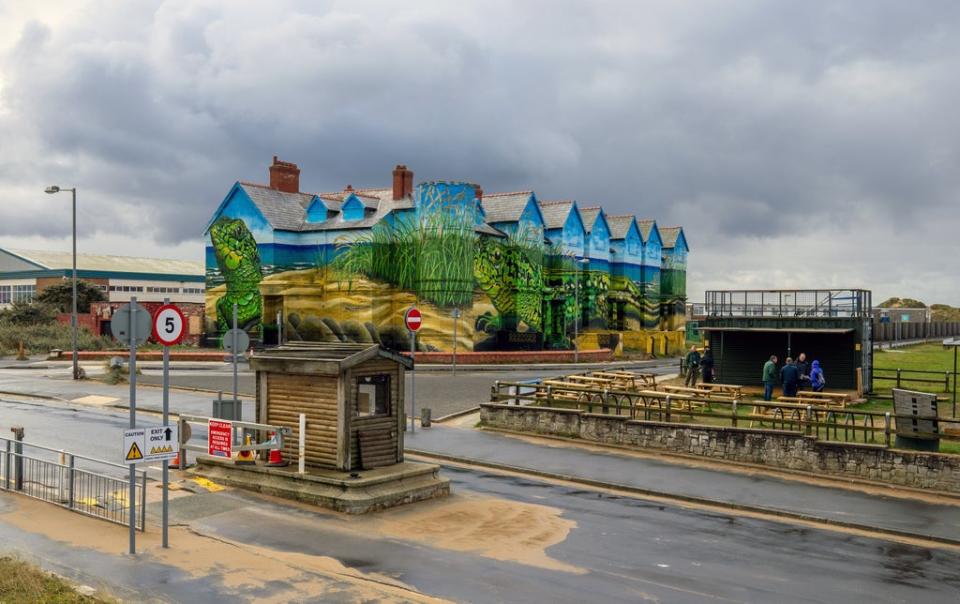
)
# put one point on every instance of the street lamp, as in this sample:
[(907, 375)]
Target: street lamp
[(73, 319), (576, 307)]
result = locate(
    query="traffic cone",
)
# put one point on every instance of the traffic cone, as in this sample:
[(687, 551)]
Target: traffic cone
[(245, 458), (177, 464), (276, 459)]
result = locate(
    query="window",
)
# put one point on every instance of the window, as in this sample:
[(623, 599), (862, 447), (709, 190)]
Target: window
[(24, 293), (5, 294), (373, 395), (193, 290)]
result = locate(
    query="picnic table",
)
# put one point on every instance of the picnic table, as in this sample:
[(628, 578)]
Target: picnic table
[(830, 399), (733, 390)]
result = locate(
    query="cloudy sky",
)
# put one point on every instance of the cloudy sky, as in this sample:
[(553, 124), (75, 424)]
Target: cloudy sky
[(800, 144)]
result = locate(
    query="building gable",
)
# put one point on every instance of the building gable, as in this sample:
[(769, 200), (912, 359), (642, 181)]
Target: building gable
[(352, 208), (238, 205), (317, 211)]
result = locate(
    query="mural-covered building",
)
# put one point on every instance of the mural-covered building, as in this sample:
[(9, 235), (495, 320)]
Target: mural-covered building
[(344, 266)]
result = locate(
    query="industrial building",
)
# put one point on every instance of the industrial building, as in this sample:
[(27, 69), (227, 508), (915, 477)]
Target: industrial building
[(25, 273)]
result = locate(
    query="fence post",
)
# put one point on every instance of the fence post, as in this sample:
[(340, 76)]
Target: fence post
[(733, 419), (669, 406), (549, 396), (70, 477), (6, 467), (495, 391), (61, 462), (898, 377), (18, 453), (809, 420), (886, 428), (946, 381)]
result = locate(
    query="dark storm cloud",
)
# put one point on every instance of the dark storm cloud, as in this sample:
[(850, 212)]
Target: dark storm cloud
[(750, 123)]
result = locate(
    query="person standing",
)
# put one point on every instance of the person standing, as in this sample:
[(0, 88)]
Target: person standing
[(769, 377), (706, 366), (693, 366), (804, 370), (790, 378), (817, 379)]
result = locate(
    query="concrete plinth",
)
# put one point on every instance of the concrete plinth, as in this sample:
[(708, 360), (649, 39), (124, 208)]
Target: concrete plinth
[(372, 490)]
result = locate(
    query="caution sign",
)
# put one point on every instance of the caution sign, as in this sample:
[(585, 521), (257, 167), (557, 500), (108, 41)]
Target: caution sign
[(154, 443), (134, 453)]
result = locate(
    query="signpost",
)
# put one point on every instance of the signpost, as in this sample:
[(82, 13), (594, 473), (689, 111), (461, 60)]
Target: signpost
[(413, 320), (154, 443), (131, 325), (220, 438), (236, 342), (168, 329)]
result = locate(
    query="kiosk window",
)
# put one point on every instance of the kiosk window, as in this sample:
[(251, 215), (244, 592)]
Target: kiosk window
[(373, 395)]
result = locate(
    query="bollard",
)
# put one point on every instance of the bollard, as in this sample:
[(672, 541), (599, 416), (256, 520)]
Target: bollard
[(425, 417), (495, 391), (18, 454)]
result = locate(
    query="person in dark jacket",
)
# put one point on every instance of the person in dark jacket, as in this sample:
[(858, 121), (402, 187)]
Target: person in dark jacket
[(706, 366), (804, 368), (790, 378), (769, 377), (693, 367), (817, 380)]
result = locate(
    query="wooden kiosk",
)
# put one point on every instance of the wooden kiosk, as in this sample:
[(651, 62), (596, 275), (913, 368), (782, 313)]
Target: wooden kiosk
[(352, 398), (351, 394)]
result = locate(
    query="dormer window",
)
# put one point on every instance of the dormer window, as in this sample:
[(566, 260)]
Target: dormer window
[(317, 211)]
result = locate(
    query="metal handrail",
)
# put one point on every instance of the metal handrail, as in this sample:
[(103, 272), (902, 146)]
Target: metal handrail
[(59, 451)]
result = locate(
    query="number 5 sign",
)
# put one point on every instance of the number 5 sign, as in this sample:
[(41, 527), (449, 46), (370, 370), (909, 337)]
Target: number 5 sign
[(168, 325)]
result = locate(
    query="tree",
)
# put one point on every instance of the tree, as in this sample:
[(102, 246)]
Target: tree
[(29, 313), (60, 296)]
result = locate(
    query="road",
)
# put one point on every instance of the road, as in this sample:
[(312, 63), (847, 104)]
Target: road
[(589, 544)]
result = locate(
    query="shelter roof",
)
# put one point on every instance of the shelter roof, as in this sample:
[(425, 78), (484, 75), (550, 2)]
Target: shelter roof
[(323, 358)]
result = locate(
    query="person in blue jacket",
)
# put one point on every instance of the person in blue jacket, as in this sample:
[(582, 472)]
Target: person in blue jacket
[(817, 380)]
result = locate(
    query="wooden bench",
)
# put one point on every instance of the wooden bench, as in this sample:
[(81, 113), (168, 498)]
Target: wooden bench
[(733, 390), (829, 399)]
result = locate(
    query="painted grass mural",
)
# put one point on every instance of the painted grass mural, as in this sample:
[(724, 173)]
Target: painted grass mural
[(514, 289)]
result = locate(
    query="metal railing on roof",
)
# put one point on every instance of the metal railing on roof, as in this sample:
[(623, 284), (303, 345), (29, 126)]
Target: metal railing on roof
[(802, 303)]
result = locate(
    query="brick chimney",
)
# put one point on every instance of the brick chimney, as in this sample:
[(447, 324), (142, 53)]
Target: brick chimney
[(402, 182), (479, 192), (284, 176)]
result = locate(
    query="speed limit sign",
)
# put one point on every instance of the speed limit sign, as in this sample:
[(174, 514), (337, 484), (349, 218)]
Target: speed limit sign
[(168, 325)]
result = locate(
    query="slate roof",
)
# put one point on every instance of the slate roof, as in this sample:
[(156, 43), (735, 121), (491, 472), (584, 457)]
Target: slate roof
[(504, 207), (288, 211), (670, 235), (555, 213), (646, 226), (589, 216), (619, 226)]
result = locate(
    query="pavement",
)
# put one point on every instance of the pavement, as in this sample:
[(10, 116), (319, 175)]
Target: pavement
[(937, 518)]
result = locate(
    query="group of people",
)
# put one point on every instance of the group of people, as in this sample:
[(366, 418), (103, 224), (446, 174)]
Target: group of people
[(794, 376)]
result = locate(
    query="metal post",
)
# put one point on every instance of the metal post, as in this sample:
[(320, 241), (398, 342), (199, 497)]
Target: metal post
[(279, 328), (456, 319), (133, 422), (235, 352), (733, 418), (18, 455), (73, 318), (898, 377), (143, 501), (6, 468), (576, 313), (886, 429), (413, 381), (302, 445), (166, 463), (954, 381), (70, 480)]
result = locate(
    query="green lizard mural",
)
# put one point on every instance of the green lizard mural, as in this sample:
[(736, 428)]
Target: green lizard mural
[(239, 262), (512, 279)]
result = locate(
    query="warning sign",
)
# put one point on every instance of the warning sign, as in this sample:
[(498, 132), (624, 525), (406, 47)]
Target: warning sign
[(220, 438), (134, 453), (154, 443)]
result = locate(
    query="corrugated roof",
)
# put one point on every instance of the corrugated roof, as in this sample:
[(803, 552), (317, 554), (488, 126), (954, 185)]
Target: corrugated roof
[(121, 264), (504, 207), (669, 235), (619, 226), (555, 213)]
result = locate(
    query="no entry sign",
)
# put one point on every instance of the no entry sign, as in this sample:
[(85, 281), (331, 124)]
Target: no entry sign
[(413, 319), (168, 325)]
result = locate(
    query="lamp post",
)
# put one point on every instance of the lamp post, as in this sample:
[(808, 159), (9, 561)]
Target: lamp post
[(576, 307), (73, 318)]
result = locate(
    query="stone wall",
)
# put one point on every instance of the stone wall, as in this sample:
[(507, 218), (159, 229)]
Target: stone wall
[(777, 449)]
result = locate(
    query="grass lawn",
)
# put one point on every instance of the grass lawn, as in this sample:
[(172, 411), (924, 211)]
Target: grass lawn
[(22, 582)]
